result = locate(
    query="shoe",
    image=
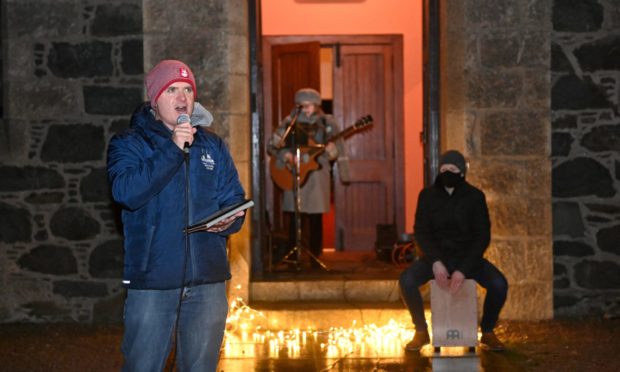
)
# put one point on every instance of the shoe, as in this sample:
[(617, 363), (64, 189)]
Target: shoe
[(490, 342), (420, 339)]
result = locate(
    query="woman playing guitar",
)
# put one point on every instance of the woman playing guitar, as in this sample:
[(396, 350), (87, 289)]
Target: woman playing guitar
[(312, 131)]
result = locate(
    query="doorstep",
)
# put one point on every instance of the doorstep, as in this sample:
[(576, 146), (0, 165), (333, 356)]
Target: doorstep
[(324, 315), (327, 303), (326, 289)]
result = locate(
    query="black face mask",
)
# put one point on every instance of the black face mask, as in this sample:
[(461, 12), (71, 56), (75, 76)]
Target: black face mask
[(449, 179)]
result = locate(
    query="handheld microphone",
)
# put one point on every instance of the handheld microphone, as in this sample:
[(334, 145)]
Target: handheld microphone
[(201, 117), (184, 118)]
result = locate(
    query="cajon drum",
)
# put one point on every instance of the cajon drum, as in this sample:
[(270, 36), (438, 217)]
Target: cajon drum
[(454, 319)]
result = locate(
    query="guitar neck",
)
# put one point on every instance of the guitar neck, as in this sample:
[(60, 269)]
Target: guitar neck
[(344, 134)]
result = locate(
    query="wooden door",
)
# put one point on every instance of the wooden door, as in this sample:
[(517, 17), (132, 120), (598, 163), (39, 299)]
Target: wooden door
[(366, 83), (367, 79), (293, 66)]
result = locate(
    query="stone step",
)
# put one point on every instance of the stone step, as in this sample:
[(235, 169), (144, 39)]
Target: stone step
[(325, 303), (378, 290), (323, 315)]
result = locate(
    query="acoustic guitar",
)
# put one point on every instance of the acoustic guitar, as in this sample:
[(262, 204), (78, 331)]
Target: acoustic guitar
[(282, 174)]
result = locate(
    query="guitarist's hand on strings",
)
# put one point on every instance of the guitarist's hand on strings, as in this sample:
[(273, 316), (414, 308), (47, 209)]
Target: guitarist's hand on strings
[(330, 149), (289, 158)]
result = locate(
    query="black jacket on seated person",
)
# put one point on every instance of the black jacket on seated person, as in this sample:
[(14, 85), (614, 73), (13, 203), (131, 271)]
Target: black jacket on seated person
[(454, 229)]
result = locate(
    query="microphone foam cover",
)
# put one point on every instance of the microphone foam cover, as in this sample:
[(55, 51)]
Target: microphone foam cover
[(183, 118)]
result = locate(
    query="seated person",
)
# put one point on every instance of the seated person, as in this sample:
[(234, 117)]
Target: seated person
[(452, 230)]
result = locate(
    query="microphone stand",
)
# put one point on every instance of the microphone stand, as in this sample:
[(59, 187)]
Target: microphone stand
[(298, 248), (185, 255)]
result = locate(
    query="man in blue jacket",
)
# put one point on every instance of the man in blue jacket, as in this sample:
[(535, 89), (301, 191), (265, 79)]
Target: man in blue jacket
[(453, 230), (167, 176)]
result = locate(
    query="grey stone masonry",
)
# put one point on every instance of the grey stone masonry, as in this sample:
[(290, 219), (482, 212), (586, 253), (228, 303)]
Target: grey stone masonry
[(530, 93), (73, 73), (495, 109), (72, 76), (585, 70)]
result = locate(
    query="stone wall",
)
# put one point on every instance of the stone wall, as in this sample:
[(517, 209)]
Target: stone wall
[(211, 36), (530, 93), (495, 109), (72, 75), (585, 70)]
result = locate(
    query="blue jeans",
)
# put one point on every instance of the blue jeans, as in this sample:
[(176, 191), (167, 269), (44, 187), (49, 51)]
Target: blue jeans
[(150, 317), (487, 275)]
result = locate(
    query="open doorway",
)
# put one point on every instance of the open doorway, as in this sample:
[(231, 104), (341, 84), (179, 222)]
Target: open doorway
[(348, 31), (357, 76)]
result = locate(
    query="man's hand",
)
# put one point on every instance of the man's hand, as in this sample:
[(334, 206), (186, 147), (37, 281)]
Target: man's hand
[(456, 281), (441, 275), (183, 133), (225, 223)]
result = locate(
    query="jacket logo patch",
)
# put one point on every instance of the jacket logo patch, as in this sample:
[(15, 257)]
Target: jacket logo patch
[(207, 161)]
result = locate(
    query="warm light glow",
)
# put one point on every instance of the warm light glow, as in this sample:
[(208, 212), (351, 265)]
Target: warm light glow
[(404, 17), (249, 333)]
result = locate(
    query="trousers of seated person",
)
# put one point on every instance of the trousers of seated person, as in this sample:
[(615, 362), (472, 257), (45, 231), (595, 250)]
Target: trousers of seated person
[(487, 276)]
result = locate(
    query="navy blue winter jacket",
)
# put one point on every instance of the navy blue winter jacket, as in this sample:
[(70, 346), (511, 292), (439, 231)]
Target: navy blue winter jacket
[(147, 173)]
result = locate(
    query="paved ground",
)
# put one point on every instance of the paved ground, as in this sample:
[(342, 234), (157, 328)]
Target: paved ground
[(559, 345)]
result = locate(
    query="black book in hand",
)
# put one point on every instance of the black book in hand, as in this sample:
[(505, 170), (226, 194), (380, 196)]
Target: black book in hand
[(220, 215)]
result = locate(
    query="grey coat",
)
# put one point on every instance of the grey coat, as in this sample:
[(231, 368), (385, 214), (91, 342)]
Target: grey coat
[(315, 193)]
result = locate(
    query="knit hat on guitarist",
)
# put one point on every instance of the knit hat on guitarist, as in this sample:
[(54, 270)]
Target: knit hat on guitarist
[(308, 95)]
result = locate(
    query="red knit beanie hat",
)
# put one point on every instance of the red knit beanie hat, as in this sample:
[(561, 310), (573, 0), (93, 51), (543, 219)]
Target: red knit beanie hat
[(165, 73)]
